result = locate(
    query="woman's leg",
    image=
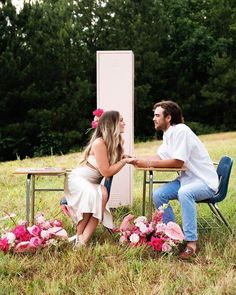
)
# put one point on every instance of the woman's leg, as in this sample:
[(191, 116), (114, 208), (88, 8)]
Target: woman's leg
[(89, 229), (82, 223)]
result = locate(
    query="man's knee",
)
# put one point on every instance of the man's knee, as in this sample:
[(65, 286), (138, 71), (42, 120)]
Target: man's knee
[(185, 196), (159, 197)]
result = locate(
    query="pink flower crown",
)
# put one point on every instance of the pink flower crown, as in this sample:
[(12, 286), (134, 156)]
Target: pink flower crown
[(97, 114)]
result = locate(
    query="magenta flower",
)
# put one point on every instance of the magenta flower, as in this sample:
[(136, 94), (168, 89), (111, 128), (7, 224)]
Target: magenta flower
[(4, 244), (156, 243), (98, 112), (20, 231), (22, 239)]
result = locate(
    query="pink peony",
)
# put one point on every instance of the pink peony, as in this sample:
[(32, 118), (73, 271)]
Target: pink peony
[(125, 224), (94, 124), (174, 231), (4, 244)]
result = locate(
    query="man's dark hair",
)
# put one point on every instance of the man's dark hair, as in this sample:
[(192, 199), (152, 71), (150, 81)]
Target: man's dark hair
[(171, 108)]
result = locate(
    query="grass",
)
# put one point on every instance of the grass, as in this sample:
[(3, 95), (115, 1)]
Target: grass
[(105, 267)]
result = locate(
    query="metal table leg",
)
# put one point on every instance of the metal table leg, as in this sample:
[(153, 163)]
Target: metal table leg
[(33, 199), (144, 192), (27, 197), (150, 195)]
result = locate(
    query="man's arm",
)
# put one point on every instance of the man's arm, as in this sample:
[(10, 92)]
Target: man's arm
[(157, 162)]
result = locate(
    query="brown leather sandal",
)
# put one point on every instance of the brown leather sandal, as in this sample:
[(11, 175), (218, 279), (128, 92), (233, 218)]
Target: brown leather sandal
[(188, 253)]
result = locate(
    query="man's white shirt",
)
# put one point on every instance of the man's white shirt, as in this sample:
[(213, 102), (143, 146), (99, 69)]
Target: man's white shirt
[(181, 143)]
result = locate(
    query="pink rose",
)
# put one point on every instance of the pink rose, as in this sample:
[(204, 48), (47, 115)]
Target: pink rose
[(35, 242), (34, 230), (174, 231), (98, 112), (22, 247), (57, 223), (94, 124), (58, 232), (166, 247), (4, 245), (125, 224)]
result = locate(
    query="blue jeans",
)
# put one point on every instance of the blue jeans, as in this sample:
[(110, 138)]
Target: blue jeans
[(187, 195)]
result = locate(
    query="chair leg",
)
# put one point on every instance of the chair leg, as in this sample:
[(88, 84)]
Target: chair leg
[(215, 209)]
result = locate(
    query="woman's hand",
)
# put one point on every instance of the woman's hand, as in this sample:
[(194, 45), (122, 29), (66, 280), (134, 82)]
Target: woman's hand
[(130, 160)]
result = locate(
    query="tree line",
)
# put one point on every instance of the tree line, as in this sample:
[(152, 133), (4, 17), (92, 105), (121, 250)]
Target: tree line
[(184, 50)]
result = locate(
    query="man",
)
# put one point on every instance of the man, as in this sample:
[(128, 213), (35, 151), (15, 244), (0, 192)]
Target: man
[(200, 181)]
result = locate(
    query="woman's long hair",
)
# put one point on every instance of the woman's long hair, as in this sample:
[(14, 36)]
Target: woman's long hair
[(108, 129)]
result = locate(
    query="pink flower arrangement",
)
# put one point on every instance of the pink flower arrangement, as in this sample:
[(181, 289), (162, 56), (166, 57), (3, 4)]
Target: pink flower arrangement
[(23, 238), (156, 234), (97, 114)]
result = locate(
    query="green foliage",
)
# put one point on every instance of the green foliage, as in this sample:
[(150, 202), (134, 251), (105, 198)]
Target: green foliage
[(184, 50)]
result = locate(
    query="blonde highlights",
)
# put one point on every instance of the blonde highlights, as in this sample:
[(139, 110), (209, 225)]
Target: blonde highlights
[(108, 129)]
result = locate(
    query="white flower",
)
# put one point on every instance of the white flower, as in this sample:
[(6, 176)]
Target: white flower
[(143, 228), (160, 227), (45, 234), (134, 238), (10, 237), (140, 219)]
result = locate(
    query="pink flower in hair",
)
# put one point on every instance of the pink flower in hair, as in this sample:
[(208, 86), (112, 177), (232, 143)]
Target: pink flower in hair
[(98, 112)]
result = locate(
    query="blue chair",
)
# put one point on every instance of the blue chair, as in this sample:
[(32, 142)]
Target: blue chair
[(223, 171)]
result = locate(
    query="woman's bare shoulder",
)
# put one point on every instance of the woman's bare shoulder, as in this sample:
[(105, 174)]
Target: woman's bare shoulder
[(98, 142)]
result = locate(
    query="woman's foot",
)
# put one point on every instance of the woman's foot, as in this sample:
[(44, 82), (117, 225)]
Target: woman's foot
[(79, 243)]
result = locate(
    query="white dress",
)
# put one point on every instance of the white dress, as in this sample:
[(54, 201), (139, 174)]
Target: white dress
[(83, 193)]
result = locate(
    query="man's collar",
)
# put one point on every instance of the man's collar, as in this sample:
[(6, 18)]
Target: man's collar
[(169, 131)]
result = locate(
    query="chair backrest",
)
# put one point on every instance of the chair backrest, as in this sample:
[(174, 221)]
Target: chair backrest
[(107, 184), (223, 171)]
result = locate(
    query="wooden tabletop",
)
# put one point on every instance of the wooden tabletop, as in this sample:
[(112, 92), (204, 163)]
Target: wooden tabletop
[(162, 169), (41, 171)]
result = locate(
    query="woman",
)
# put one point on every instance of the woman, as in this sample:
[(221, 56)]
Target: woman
[(104, 157)]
